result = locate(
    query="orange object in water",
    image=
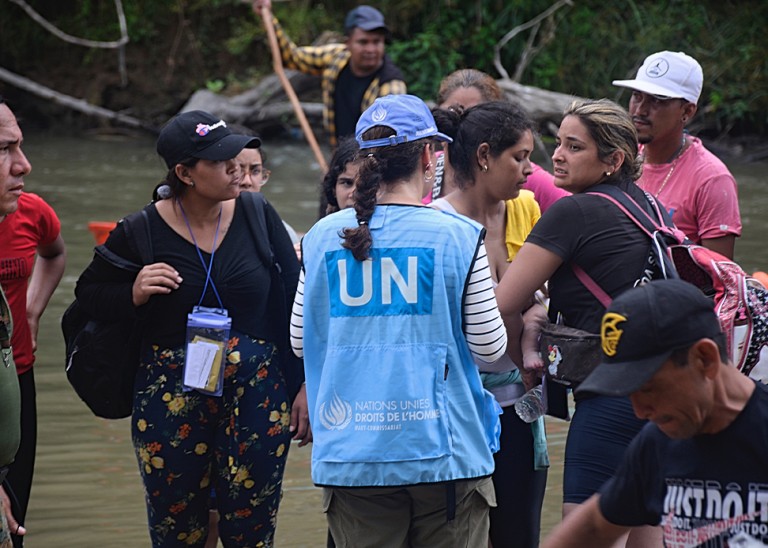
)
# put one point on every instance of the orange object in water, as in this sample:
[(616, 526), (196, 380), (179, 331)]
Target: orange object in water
[(761, 277), (101, 229)]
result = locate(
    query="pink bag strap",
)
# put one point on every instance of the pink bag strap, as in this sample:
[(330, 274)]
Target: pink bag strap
[(592, 285), (639, 216)]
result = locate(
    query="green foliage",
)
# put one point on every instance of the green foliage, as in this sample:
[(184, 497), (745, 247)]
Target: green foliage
[(215, 86), (181, 45)]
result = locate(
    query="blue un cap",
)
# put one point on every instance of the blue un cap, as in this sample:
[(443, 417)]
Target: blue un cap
[(407, 115)]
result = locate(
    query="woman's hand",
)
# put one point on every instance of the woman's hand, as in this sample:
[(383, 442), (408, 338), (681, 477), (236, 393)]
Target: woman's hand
[(530, 377), (154, 279), (5, 505), (300, 418)]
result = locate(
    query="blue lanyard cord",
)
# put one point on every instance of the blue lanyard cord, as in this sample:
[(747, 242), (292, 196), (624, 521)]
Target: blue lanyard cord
[(208, 268)]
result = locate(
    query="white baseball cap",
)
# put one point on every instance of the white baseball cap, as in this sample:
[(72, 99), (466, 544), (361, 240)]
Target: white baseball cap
[(668, 75)]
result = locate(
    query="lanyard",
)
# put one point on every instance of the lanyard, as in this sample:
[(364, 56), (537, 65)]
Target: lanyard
[(208, 268)]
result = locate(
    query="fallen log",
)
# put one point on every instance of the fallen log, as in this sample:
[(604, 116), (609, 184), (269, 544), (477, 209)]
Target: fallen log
[(72, 102), (265, 105), (544, 106)]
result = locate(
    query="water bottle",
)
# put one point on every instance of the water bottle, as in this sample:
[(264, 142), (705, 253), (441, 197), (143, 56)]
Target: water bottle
[(531, 405)]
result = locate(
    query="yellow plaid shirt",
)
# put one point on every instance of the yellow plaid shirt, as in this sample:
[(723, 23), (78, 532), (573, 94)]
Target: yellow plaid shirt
[(327, 62)]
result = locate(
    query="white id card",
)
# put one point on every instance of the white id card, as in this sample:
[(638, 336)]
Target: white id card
[(201, 356)]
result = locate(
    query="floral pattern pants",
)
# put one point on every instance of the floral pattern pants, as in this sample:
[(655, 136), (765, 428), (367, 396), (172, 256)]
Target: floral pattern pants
[(188, 443)]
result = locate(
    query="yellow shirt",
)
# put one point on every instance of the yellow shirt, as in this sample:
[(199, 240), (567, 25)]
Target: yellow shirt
[(522, 214)]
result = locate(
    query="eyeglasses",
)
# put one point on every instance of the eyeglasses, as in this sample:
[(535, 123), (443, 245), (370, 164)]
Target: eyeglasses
[(265, 173), (258, 171)]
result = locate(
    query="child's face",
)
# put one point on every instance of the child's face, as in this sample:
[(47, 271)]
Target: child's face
[(254, 176), (345, 185)]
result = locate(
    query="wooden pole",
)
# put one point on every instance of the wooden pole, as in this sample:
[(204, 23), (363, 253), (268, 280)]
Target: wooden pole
[(277, 62)]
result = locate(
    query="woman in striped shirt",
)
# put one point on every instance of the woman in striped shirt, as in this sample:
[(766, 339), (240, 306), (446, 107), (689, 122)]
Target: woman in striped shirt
[(490, 160)]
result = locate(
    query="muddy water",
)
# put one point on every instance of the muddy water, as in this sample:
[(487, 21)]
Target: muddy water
[(87, 491)]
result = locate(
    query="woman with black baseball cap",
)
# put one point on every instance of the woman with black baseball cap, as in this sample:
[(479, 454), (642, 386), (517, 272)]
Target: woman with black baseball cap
[(214, 393)]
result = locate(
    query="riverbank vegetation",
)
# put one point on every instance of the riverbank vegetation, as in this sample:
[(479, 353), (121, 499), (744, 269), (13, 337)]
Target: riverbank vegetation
[(179, 46)]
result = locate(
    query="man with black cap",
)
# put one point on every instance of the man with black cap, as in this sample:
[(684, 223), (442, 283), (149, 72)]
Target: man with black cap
[(700, 467), (693, 184), (354, 74)]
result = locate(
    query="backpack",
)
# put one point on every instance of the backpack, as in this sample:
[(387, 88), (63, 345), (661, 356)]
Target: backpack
[(280, 296), (102, 357), (740, 301)]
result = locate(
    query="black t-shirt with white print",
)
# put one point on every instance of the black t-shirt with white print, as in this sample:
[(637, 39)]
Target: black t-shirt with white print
[(708, 491)]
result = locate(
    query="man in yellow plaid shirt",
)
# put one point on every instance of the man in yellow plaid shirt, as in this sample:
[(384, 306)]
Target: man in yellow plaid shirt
[(354, 73)]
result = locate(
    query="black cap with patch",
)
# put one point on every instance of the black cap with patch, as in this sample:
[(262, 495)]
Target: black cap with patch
[(199, 134), (640, 330)]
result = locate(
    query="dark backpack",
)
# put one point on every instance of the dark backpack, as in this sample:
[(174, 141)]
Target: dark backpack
[(280, 296), (740, 301), (102, 357)]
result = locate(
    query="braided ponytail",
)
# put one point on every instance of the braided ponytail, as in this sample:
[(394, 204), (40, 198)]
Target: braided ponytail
[(359, 239), (380, 167)]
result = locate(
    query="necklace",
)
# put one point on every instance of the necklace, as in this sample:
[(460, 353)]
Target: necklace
[(675, 157)]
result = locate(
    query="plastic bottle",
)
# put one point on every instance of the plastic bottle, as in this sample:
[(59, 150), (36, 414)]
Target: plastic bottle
[(530, 406)]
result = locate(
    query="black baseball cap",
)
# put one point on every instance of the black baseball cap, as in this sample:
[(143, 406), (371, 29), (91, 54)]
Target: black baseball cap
[(640, 330), (366, 18), (200, 134)]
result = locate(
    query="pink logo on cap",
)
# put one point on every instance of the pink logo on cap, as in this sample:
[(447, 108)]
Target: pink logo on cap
[(204, 129)]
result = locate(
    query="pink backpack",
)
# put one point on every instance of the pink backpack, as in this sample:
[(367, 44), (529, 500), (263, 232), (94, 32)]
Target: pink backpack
[(740, 301)]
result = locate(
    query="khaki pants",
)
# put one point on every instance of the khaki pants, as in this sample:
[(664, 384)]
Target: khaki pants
[(410, 516)]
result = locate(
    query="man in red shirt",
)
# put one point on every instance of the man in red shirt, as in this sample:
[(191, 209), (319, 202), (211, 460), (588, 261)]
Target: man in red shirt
[(32, 260)]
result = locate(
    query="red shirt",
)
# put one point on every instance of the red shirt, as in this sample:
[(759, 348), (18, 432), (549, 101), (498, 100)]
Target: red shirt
[(33, 224)]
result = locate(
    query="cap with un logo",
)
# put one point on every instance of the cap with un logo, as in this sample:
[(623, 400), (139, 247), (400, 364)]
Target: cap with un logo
[(407, 115)]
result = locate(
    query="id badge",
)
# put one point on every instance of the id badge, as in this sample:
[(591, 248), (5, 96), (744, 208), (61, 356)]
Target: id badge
[(207, 339)]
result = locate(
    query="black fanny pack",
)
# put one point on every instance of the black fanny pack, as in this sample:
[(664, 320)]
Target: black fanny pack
[(569, 354)]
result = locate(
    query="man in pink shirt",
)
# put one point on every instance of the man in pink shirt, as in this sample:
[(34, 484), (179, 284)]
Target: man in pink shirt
[(692, 183)]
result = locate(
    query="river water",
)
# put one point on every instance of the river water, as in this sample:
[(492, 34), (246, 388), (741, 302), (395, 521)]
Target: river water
[(87, 492)]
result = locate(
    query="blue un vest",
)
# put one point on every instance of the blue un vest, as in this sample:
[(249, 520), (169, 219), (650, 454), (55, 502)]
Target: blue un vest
[(393, 393)]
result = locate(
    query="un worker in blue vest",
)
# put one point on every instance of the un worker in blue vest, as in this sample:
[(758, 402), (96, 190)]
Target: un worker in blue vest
[(394, 303)]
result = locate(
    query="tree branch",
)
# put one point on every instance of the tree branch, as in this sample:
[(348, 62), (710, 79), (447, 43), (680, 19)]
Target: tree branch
[(520, 28), (73, 39)]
